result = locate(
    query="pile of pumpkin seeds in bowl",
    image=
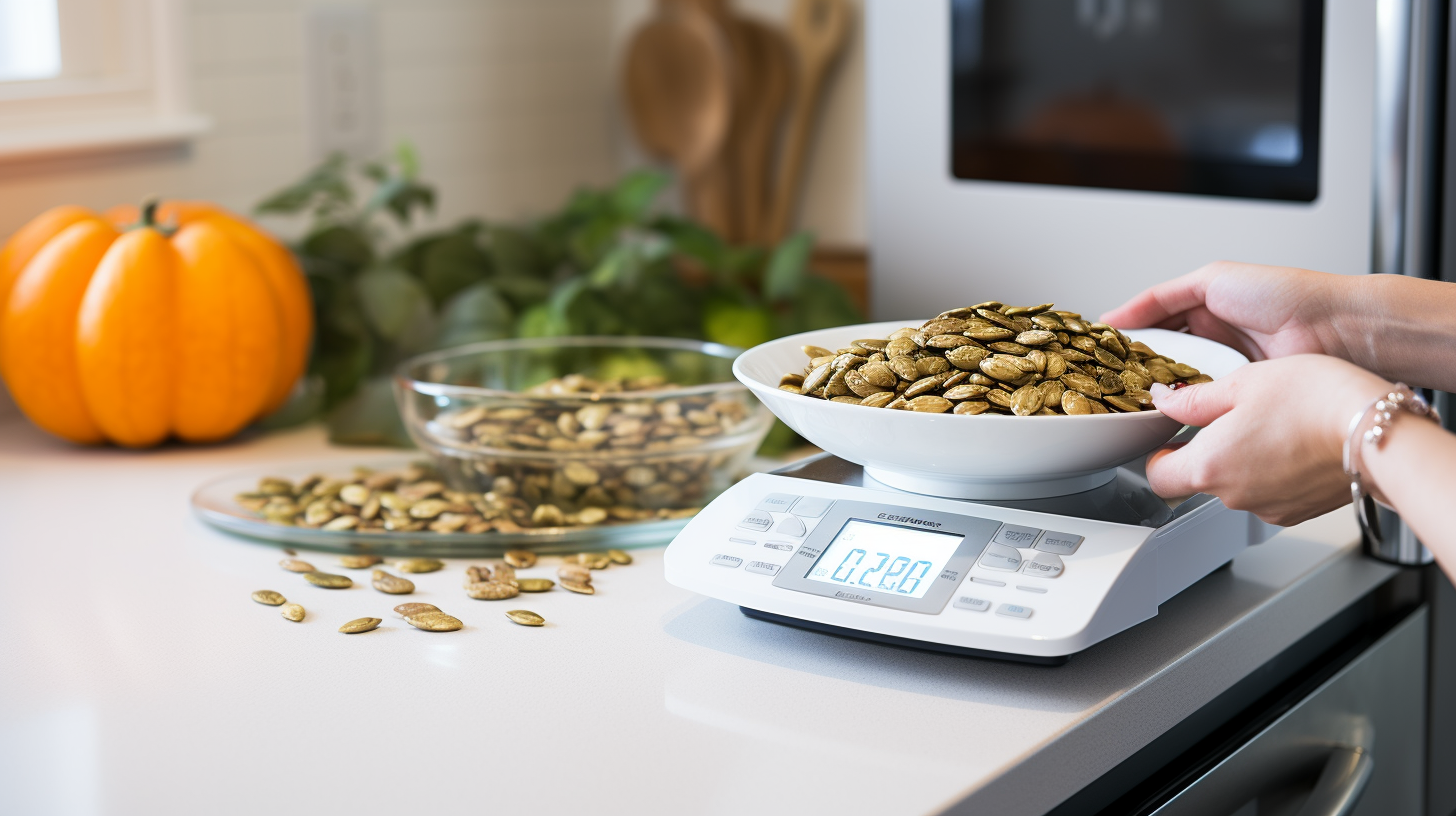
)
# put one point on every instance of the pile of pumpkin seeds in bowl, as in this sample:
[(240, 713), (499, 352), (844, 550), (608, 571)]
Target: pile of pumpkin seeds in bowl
[(417, 500), (994, 359), (582, 451)]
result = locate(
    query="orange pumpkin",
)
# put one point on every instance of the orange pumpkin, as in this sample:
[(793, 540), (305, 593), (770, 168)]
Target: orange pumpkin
[(121, 329)]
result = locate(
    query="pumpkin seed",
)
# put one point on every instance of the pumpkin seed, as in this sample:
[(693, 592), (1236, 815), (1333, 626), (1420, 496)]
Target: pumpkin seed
[(358, 561), (594, 561), (619, 557), (973, 359), (407, 609), (536, 584), (573, 572), (582, 587), (434, 622), (392, 584), (358, 625), (419, 565), (269, 597), (524, 559), (491, 591), (293, 565), (292, 612), (328, 581), (526, 617)]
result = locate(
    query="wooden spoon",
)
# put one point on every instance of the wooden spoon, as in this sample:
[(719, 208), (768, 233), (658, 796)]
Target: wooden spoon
[(769, 82), (678, 87), (818, 30)]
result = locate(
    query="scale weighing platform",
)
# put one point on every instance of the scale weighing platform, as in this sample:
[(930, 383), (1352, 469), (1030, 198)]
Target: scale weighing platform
[(821, 546)]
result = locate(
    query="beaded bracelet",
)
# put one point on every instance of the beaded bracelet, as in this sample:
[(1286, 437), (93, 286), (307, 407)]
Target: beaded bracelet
[(1379, 416)]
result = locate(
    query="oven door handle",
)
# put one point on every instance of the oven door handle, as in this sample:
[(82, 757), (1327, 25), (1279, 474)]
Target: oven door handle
[(1341, 783)]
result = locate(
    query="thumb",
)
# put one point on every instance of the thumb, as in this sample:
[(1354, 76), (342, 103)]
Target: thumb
[(1196, 405)]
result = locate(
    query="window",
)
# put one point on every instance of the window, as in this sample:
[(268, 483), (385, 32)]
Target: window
[(30, 40), (88, 74)]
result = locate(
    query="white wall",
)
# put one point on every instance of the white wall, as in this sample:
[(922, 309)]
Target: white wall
[(510, 103)]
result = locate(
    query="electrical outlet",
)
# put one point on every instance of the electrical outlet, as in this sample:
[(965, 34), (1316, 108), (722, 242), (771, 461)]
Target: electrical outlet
[(343, 88)]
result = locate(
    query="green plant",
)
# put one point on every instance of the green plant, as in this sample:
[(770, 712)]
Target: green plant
[(608, 263)]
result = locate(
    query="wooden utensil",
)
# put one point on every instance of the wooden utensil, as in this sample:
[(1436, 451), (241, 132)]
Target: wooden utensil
[(768, 81), (714, 196), (679, 92), (817, 30)]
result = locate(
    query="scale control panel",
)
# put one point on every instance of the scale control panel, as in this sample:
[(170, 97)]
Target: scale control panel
[(897, 558), (959, 574)]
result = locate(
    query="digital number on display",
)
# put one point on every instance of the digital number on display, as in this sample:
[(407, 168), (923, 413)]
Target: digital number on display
[(884, 558)]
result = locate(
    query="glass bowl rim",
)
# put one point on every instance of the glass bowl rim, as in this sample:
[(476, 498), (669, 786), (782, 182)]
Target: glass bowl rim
[(403, 379)]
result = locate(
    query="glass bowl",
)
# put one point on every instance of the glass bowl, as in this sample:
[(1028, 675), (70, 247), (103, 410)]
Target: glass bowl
[(670, 431)]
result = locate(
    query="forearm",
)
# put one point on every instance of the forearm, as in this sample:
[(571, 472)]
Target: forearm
[(1403, 329), (1415, 471)]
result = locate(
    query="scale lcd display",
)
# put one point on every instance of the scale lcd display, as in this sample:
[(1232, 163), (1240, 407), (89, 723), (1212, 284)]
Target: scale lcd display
[(889, 558)]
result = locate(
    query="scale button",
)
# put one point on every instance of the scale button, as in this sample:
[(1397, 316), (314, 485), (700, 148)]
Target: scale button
[(987, 581), (777, 502), (1014, 536), (1013, 611), (1059, 543), (762, 568), (728, 561), (1037, 590), (1001, 558), (791, 526), (782, 546), (1045, 565), (757, 520), (812, 506), (750, 542), (973, 604)]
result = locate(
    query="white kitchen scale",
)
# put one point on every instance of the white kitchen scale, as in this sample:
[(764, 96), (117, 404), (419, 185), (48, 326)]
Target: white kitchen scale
[(821, 546)]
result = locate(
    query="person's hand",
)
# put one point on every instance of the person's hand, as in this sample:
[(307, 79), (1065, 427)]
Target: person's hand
[(1272, 436), (1263, 311)]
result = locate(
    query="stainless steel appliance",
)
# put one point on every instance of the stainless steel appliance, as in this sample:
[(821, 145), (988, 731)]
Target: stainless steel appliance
[(1081, 150)]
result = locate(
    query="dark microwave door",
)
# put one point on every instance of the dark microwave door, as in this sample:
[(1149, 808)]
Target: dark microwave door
[(1215, 97)]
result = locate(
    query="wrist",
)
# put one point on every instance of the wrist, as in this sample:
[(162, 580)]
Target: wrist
[(1345, 323)]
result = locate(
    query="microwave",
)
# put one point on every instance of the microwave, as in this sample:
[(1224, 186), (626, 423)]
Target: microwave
[(1078, 151)]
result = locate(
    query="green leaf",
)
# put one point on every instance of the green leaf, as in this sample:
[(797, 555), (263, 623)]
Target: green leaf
[(408, 159), (392, 300), (787, 267), (737, 324), (345, 245), (369, 417), (514, 252), (475, 314), (634, 194), (821, 304), (327, 181), (451, 264), (541, 321)]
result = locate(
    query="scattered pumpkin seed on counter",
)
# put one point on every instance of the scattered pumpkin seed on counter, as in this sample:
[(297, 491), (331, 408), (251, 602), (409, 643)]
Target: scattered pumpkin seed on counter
[(359, 625), (392, 584), (526, 617), (994, 358), (292, 612), (269, 597)]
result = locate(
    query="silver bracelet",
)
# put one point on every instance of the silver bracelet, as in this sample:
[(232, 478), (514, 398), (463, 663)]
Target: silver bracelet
[(1378, 416)]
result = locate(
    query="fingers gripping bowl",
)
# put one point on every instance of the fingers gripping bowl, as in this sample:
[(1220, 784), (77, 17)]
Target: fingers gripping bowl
[(976, 457)]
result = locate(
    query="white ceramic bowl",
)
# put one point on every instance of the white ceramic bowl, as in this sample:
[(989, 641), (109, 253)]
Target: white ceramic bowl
[(990, 456)]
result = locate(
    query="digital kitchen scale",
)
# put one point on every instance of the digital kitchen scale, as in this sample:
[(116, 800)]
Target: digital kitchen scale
[(821, 546)]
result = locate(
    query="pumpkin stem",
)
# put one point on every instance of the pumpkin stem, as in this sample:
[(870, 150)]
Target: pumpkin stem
[(149, 218), (149, 212)]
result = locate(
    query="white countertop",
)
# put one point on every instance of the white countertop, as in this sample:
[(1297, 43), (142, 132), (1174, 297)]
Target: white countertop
[(136, 676)]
